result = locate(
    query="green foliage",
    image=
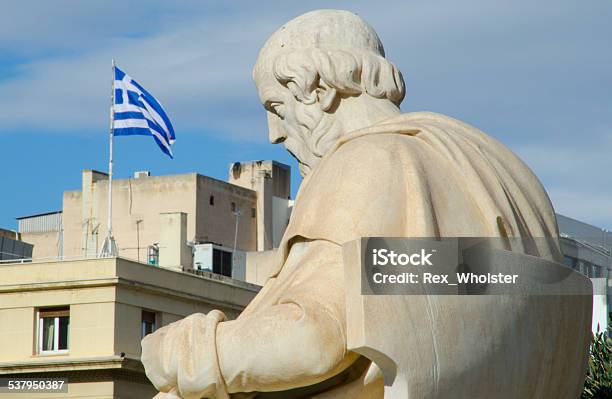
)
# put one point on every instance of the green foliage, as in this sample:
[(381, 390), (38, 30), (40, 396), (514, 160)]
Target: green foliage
[(598, 384)]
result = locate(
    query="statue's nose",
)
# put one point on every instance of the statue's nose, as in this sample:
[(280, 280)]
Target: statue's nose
[(276, 133)]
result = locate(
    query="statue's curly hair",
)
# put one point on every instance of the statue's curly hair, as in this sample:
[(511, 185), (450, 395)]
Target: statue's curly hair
[(350, 72)]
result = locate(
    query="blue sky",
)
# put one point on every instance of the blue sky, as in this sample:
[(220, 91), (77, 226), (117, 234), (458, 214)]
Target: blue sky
[(535, 75)]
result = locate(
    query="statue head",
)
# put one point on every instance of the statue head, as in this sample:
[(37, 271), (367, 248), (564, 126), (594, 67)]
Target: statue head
[(322, 75)]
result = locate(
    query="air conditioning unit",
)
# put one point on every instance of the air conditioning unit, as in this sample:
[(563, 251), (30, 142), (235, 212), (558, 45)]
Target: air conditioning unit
[(213, 258), (141, 173)]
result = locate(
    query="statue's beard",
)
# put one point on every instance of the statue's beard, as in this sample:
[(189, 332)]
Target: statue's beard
[(317, 132)]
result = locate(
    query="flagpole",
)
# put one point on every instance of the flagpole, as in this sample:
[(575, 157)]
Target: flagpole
[(109, 248)]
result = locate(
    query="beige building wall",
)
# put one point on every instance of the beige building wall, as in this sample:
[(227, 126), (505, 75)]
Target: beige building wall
[(217, 223), (91, 204), (106, 298), (258, 190), (46, 245), (16, 330), (272, 182), (173, 249), (259, 264), (137, 205), (73, 224)]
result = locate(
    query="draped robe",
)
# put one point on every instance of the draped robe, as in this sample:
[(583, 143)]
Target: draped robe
[(415, 175)]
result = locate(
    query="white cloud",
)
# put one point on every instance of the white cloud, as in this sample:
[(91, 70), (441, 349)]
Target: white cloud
[(197, 58), (192, 70), (534, 74)]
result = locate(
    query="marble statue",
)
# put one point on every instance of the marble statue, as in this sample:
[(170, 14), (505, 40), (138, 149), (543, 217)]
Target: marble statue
[(332, 99)]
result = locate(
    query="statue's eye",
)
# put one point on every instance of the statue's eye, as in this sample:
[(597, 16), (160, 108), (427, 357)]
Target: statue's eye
[(276, 107)]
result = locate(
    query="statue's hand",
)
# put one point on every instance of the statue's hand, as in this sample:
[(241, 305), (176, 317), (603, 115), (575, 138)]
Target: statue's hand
[(180, 359)]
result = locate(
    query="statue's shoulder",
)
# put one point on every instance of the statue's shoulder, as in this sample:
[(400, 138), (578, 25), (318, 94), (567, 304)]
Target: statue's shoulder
[(408, 140), (425, 119), (367, 153), (399, 134), (428, 116), (439, 124), (376, 152), (402, 126)]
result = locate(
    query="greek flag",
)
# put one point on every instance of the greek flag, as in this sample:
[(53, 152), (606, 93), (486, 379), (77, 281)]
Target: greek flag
[(137, 112)]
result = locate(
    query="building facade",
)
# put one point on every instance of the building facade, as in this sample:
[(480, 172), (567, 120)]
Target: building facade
[(83, 320), (588, 249), (272, 182), (248, 213), (66, 313)]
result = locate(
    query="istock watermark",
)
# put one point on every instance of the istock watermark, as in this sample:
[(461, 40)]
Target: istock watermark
[(467, 266)]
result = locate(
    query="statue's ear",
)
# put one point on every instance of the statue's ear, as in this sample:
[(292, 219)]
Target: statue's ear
[(326, 95)]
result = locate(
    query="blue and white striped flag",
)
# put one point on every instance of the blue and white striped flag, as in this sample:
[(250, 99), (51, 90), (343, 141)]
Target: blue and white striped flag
[(137, 112)]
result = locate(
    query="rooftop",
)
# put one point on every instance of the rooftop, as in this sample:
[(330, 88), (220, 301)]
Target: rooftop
[(38, 214), (96, 272)]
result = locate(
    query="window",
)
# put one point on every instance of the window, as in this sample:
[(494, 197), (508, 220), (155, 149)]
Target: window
[(253, 212), (149, 323), (233, 207), (211, 200), (53, 330)]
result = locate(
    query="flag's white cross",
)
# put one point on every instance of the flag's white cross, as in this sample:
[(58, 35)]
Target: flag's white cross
[(148, 112), (149, 115)]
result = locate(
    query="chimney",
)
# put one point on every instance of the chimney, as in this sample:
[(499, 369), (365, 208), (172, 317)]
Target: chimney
[(174, 253)]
